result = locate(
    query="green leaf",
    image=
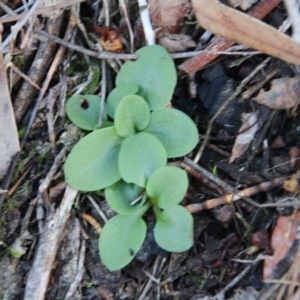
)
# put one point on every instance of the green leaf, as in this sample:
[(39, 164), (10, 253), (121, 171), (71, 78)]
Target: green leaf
[(167, 186), (141, 155), (132, 114), (84, 111), (120, 195), (93, 162), (120, 239), (175, 130), (117, 94), (173, 230), (154, 71)]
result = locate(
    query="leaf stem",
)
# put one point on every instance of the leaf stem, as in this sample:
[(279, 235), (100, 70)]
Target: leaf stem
[(144, 209)]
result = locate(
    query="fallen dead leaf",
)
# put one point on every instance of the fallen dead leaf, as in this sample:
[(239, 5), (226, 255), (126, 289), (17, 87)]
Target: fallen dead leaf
[(233, 24), (111, 40), (242, 4), (177, 42), (9, 145), (168, 15), (244, 139), (282, 239), (219, 43), (284, 94)]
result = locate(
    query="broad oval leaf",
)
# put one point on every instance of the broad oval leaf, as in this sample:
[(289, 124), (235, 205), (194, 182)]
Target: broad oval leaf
[(132, 115), (93, 162), (167, 186), (121, 195), (120, 239), (154, 71), (173, 230), (140, 156), (117, 94), (175, 130), (83, 110)]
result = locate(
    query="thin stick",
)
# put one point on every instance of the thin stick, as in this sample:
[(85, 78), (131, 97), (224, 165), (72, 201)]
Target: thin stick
[(103, 93), (7, 9), (149, 283), (110, 55), (131, 36), (268, 76), (19, 25), (106, 10), (145, 17), (50, 120), (96, 206), (13, 189), (24, 76), (45, 10), (225, 104), (221, 295), (292, 7)]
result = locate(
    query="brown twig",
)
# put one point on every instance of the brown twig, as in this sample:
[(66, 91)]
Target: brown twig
[(13, 189), (221, 43), (229, 198)]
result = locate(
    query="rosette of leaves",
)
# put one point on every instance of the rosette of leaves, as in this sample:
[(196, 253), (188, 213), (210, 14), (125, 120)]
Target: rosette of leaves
[(128, 158)]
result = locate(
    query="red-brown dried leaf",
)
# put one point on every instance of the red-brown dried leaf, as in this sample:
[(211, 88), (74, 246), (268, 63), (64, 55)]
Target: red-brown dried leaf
[(111, 41), (111, 38), (282, 239), (284, 94)]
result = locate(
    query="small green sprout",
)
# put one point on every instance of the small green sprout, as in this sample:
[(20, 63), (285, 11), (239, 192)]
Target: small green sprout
[(128, 158)]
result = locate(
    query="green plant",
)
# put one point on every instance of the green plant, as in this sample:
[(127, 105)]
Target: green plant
[(128, 158)]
